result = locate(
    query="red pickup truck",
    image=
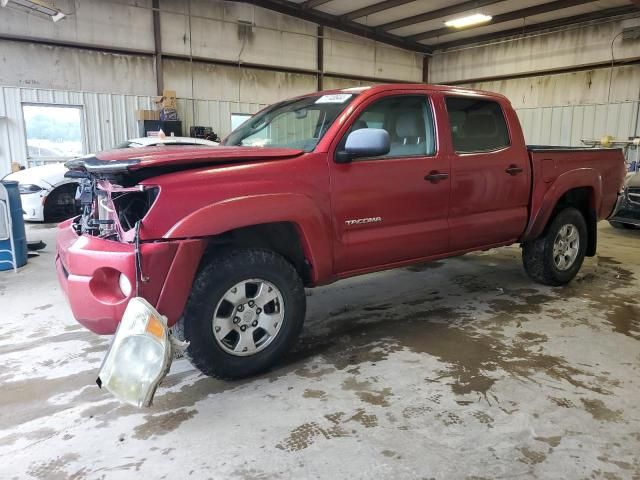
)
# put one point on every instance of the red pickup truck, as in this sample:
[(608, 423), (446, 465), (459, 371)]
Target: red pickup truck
[(222, 241)]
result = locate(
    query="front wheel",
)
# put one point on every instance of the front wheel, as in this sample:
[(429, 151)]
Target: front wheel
[(556, 256), (245, 311)]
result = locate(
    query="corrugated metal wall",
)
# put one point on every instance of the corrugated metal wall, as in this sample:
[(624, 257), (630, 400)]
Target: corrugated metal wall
[(568, 125), (109, 119)]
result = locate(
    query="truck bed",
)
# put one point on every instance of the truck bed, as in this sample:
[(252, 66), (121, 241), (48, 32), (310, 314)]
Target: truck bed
[(598, 170)]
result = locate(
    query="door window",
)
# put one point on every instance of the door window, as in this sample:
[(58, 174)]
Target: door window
[(407, 119), (476, 125)]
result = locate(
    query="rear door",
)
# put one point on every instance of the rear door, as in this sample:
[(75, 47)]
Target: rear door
[(385, 211), (490, 175)]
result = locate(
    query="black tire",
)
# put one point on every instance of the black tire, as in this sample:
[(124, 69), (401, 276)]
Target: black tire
[(537, 255), (217, 275), (625, 226)]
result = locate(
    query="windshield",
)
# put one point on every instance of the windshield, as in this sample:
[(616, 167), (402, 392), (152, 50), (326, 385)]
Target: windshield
[(298, 123)]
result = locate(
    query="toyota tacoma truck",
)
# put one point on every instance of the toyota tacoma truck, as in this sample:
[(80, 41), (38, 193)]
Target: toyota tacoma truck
[(217, 245)]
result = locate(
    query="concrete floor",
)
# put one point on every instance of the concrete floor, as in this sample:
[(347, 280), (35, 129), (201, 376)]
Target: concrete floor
[(457, 369)]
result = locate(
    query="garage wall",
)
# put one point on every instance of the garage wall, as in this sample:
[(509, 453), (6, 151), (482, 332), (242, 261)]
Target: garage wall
[(576, 47), (102, 56), (108, 119), (557, 108)]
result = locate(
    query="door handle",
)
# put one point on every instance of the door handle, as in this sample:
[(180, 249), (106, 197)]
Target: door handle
[(435, 176), (514, 170)]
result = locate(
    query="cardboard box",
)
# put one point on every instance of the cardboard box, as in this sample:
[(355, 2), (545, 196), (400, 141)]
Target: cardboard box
[(147, 115), (169, 103), (167, 100)]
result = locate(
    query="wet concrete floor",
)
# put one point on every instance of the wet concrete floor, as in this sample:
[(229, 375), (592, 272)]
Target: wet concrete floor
[(456, 369)]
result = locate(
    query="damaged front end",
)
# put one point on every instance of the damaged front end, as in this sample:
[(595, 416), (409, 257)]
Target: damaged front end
[(112, 205), (142, 349)]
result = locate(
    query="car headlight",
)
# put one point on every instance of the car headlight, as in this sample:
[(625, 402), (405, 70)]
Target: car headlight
[(28, 188), (139, 356)]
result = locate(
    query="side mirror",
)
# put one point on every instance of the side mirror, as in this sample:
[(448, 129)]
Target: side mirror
[(366, 142)]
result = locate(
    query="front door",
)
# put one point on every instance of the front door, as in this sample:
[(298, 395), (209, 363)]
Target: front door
[(392, 208)]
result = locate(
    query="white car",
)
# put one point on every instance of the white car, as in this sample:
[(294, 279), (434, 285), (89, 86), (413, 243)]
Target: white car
[(47, 195)]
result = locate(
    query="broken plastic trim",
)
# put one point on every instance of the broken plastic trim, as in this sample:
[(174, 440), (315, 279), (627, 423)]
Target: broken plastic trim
[(138, 259), (92, 164)]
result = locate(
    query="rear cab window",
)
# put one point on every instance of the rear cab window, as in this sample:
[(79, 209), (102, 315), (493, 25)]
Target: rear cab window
[(477, 125)]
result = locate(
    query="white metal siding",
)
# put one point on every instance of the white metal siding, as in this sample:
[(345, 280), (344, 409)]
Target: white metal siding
[(109, 119), (568, 125)]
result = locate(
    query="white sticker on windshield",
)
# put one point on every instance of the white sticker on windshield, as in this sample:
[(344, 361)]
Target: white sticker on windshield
[(334, 98)]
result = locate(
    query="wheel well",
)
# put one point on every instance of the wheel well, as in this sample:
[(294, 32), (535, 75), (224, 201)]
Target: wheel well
[(49, 209), (280, 237), (583, 199)]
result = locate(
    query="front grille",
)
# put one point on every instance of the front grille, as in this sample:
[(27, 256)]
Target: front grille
[(634, 194)]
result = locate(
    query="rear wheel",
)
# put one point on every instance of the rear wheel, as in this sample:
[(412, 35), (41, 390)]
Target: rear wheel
[(556, 256), (245, 311)]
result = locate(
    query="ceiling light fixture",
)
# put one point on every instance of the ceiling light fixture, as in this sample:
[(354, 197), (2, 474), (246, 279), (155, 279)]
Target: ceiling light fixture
[(41, 7), (468, 21)]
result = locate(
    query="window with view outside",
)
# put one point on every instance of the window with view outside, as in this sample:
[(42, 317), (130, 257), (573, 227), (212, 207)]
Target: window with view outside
[(238, 119), (53, 132), (298, 123), (476, 125)]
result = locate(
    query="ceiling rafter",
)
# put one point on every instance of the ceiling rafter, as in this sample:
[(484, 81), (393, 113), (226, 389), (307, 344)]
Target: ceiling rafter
[(538, 27), (331, 21), (504, 17), (314, 3), (375, 8), (435, 14)]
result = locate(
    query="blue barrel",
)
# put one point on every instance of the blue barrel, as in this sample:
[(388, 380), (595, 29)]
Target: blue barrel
[(19, 236)]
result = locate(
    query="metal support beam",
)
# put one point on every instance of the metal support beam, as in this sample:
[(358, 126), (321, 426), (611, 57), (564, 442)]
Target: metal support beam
[(314, 3), (320, 58), (331, 21), (375, 8), (548, 72), (505, 17), (538, 27), (435, 14), (425, 69), (78, 45), (157, 41)]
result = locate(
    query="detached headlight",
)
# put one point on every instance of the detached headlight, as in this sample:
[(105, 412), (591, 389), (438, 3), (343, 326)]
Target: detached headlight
[(28, 188), (139, 357)]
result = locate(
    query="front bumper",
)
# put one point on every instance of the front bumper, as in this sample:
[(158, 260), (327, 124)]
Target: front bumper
[(626, 210), (33, 205), (89, 268)]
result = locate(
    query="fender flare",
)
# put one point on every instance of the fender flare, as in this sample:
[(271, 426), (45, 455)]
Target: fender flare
[(247, 211), (542, 209)]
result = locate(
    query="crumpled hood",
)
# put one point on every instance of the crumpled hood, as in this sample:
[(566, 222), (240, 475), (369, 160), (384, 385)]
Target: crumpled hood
[(113, 161)]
